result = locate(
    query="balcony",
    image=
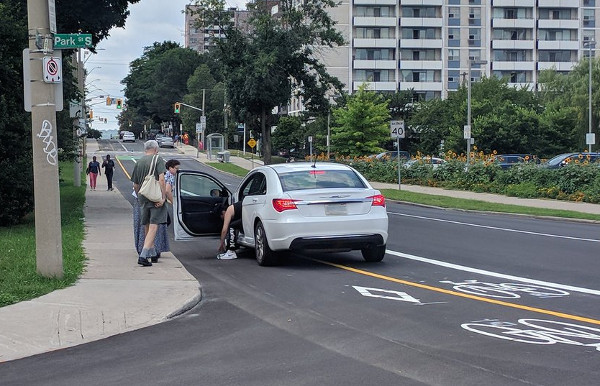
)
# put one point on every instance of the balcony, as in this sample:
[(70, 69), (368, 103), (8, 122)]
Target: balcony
[(375, 43), (557, 4), (513, 66), (558, 66), (420, 64), (376, 86), (360, 21), (375, 64), (421, 43), (558, 45), (513, 44), (558, 24), (513, 23), (375, 2), (421, 86), (421, 21), (422, 2), (514, 3)]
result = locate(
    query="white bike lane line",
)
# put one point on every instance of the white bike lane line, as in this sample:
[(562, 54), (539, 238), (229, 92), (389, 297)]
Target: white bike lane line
[(551, 235), (470, 296)]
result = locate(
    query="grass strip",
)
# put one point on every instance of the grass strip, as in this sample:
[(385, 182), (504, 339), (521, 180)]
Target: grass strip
[(461, 203), (19, 280)]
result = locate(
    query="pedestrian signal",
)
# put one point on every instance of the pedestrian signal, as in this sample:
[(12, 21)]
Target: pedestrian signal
[(177, 107), (119, 103)]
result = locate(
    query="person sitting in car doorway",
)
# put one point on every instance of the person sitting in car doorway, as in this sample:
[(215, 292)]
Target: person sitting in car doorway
[(232, 221)]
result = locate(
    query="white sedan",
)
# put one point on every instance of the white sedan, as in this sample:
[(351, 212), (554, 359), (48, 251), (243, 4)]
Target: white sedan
[(292, 206)]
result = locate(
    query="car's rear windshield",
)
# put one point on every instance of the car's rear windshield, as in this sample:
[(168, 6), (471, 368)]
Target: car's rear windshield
[(320, 179)]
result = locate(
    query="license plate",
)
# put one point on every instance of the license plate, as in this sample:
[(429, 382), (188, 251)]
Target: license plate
[(335, 209)]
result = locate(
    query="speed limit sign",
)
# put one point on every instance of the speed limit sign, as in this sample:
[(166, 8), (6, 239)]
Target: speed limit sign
[(397, 129)]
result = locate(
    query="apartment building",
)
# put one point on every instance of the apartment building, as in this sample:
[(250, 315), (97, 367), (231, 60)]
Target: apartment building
[(203, 37), (430, 46)]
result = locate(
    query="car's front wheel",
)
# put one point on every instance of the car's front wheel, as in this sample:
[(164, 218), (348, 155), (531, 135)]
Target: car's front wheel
[(373, 254), (264, 255)]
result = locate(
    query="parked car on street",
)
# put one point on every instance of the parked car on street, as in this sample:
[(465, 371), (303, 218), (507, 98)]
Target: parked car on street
[(391, 155), (507, 161), (288, 206), (572, 158), (128, 136), (434, 162)]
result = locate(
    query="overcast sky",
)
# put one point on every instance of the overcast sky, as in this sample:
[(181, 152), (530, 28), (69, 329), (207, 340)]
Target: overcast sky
[(149, 21)]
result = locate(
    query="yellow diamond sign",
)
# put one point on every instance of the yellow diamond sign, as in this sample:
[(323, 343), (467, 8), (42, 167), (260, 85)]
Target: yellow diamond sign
[(252, 143)]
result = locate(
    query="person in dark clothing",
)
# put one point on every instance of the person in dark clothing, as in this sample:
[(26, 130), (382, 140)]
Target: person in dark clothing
[(109, 166), (232, 220)]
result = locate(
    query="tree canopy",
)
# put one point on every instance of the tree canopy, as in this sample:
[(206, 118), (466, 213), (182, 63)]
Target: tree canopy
[(275, 59), (16, 160), (362, 125)]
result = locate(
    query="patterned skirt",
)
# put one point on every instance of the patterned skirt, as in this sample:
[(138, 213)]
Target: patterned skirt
[(161, 241)]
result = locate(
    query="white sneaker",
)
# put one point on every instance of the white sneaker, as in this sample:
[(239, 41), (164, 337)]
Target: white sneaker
[(227, 255)]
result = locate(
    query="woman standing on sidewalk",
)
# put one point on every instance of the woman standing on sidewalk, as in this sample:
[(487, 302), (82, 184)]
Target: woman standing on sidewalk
[(94, 171)]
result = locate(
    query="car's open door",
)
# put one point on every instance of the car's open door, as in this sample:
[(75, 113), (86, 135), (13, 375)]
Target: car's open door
[(199, 200)]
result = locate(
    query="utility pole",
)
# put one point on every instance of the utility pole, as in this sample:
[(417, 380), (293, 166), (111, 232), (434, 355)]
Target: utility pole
[(203, 117), (48, 232)]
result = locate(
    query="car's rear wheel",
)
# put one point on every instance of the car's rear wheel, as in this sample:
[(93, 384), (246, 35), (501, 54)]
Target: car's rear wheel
[(264, 255), (373, 254)]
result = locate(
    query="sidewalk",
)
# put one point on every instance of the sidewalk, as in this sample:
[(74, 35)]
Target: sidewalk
[(114, 295), (487, 197)]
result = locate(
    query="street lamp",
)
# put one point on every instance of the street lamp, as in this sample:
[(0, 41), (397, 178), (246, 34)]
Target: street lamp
[(590, 44), (467, 133)]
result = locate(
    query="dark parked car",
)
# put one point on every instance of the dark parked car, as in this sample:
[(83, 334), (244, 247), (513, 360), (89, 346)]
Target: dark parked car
[(506, 161), (574, 158)]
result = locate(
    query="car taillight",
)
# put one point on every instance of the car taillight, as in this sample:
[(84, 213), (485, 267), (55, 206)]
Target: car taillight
[(378, 200), (281, 204)]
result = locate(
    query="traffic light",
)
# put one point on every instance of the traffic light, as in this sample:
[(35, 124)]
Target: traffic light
[(119, 104), (108, 101), (177, 107), (91, 114)]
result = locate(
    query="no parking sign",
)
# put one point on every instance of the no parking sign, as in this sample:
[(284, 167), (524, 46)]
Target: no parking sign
[(52, 66)]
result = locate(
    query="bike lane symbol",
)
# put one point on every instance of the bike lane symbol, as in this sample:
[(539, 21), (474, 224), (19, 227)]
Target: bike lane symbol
[(386, 294)]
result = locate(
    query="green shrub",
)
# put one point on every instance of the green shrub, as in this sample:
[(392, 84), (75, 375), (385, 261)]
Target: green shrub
[(523, 190)]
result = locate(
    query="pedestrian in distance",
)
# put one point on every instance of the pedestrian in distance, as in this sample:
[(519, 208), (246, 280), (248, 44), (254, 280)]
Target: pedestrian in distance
[(151, 213), (232, 221), (109, 167), (93, 171)]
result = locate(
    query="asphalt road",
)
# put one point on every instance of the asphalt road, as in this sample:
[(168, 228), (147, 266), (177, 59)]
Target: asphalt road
[(461, 298)]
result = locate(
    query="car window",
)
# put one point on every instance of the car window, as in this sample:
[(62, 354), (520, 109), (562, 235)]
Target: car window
[(256, 185), (197, 186), (320, 179)]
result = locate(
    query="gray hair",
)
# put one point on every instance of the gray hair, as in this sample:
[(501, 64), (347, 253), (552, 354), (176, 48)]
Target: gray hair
[(151, 144)]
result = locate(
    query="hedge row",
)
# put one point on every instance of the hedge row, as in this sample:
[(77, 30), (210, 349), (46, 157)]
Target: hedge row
[(572, 182)]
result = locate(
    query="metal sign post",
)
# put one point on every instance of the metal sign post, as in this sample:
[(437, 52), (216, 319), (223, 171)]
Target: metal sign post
[(397, 131)]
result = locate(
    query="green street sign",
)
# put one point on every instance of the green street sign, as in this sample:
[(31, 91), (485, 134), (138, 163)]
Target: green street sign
[(68, 41)]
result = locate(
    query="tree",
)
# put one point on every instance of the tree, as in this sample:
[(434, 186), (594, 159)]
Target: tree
[(16, 161), (289, 134), (275, 59), (362, 125), (156, 81)]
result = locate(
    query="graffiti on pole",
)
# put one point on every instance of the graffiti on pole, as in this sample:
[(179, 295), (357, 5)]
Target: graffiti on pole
[(49, 145)]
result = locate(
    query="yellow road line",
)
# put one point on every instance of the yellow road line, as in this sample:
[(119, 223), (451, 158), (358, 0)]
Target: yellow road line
[(463, 295), (123, 168)]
